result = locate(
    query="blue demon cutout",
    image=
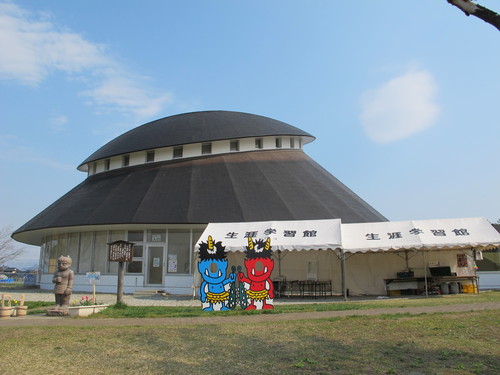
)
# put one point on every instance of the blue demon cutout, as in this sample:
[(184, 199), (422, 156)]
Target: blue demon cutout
[(213, 269)]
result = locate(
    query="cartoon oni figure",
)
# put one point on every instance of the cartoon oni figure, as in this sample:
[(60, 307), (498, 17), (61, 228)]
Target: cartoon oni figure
[(63, 279), (259, 265), (213, 268)]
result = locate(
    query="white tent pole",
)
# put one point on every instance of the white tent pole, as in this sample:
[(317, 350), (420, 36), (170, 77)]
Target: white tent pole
[(279, 263), (342, 264), (425, 274)]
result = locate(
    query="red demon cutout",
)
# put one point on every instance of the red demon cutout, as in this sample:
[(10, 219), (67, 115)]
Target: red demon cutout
[(259, 265)]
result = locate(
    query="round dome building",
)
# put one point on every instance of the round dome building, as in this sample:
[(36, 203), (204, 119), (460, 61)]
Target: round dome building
[(160, 184)]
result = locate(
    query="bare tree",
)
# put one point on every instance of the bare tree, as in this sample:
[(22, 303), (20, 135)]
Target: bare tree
[(487, 15), (9, 250)]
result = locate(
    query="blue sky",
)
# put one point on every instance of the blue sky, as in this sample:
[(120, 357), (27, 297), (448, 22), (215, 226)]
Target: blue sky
[(401, 95)]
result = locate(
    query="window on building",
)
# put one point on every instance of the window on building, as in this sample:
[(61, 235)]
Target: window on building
[(107, 163), (150, 156), (259, 143), (135, 236), (292, 142), (177, 152), (85, 259), (206, 148), (73, 248), (179, 249), (278, 142), (94, 168), (125, 160), (136, 265), (100, 258), (156, 235), (234, 146)]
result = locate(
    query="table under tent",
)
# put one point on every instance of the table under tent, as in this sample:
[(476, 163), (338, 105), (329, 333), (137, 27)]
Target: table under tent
[(415, 257)]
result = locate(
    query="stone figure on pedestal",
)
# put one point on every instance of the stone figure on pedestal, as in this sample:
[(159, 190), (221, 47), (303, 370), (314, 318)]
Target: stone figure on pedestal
[(63, 279)]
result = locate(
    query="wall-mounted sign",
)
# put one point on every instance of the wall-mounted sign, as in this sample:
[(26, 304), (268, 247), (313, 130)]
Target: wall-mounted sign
[(172, 263), (462, 260), (120, 251), (156, 237)]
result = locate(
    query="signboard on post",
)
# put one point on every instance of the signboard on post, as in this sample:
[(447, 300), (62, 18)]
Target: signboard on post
[(93, 277), (120, 251)]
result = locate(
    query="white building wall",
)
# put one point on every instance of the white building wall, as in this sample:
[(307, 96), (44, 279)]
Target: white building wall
[(247, 144), (136, 158), (165, 153), (220, 147), (115, 162), (179, 285), (191, 150), (489, 280)]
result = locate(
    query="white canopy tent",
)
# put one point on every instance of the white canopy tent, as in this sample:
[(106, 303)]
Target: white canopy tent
[(284, 235), (420, 235), (319, 238), (361, 239)]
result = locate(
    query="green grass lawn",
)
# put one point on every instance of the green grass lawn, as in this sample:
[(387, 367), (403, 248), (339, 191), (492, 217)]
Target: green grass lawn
[(457, 343), (160, 311), (439, 343), (168, 311)]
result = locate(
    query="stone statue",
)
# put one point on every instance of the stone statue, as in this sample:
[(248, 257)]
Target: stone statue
[(63, 280)]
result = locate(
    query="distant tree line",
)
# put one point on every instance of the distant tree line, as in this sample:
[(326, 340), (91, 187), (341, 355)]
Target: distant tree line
[(9, 250)]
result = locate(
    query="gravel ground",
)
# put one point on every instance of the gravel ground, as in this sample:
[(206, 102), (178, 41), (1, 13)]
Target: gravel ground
[(105, 298), (146, 299), (44, 320)]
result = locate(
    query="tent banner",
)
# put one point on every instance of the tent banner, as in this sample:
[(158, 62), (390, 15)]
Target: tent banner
[(420, 234), (284, 235)]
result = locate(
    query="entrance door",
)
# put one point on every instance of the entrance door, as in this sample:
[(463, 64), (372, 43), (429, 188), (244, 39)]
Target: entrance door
[(155, 265)]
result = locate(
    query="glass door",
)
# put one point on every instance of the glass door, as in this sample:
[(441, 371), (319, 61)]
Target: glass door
[(155, 265)]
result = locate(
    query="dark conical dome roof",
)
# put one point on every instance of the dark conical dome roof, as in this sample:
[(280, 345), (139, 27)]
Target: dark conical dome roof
[(194, 127), (257, 185)]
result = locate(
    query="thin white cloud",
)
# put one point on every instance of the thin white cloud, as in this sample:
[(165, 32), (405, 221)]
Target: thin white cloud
[(32, 47), (58, 123), (13, 151), (400, 108), (120, 93)]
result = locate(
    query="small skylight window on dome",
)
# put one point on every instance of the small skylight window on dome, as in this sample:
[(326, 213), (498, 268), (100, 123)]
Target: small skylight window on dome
[(259, 143), (177, 152), (278, 142), (206, 148), (234, 145), (150, 156)]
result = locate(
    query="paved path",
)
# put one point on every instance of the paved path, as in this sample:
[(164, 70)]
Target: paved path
[(105, 298), (43, 320)]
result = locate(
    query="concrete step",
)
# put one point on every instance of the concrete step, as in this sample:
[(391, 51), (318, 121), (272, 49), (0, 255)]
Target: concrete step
[(148, 292)]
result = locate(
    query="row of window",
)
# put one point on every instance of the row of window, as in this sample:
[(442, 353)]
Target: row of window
[(179, 152), (89, 250)]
